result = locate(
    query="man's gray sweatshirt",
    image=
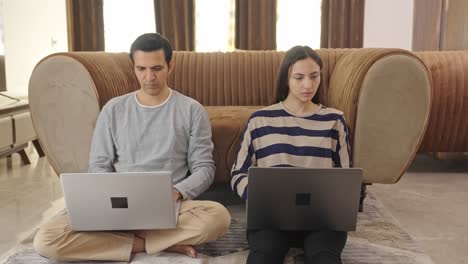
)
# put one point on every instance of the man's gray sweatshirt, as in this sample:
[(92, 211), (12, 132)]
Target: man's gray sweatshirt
[(174, 136)]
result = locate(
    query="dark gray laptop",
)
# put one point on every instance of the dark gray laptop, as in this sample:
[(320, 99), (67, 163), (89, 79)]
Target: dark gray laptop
[(120, 201), (303, 198)]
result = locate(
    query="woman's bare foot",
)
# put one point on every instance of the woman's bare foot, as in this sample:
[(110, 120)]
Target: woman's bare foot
[(183, 249)]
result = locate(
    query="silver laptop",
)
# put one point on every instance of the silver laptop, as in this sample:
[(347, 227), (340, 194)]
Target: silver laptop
[(119, 201), (303, 198)]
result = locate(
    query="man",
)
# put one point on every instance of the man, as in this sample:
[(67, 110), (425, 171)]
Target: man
[(152, 129)]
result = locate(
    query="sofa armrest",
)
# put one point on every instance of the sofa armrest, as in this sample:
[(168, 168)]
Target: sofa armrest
[(66, 93), (386, 97)]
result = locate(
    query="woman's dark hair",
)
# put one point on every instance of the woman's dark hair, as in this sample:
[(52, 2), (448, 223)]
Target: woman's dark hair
[(292, 56), (151, 42)]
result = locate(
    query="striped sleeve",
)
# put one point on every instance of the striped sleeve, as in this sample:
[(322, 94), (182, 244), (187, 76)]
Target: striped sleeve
[(342, 149), (245, 159)]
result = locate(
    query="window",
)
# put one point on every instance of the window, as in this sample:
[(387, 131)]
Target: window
[(214, 25), (298, 23), (125, 20)]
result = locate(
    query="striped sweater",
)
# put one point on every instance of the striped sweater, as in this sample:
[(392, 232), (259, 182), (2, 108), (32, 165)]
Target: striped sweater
[(274, 137)]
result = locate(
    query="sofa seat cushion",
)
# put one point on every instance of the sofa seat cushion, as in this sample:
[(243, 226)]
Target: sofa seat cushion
[(24, 128), (227, 124), (10, 107), (6, 133), (15, 125)]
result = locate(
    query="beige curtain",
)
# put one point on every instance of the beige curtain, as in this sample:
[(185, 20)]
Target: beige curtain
[(85, 25), (175, 21), (256, 24), (342, 23), (428, 24)]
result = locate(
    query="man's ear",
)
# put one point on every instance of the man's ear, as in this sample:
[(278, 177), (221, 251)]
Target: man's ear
[(171, 65)]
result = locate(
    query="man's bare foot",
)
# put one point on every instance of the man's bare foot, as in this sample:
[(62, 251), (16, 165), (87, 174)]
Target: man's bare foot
[(138, 245), (183, 249)]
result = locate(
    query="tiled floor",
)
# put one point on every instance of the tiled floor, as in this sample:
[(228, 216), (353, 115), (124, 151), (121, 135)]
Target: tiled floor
[(25, 193), (430, 202)]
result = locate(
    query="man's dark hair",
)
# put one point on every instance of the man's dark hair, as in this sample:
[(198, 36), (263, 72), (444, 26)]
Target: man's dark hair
[(292, 56), (152, 42)]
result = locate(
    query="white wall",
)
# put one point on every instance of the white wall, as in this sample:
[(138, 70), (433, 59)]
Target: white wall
[(2, 47), (388, 24), (32, 30)]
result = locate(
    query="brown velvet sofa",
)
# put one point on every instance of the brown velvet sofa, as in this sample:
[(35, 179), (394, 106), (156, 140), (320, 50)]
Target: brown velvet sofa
[(447, 130), (385, 94)]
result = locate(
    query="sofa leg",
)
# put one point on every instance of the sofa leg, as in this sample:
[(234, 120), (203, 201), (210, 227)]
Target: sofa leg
[(363, 196), (38, 147), (24, 157)]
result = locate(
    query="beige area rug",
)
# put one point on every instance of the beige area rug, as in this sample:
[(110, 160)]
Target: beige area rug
[(378, 239)]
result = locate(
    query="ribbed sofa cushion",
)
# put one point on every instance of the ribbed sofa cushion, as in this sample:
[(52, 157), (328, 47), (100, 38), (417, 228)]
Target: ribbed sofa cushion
[(448, 124), (241, 78)]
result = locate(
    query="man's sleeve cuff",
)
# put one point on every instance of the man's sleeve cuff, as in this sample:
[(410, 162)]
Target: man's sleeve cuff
[(182, 192)]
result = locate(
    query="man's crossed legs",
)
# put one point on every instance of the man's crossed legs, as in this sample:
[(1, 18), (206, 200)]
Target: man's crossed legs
[(199, 222)]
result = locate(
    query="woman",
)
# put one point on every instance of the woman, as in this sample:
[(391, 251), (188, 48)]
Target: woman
[(296, 131)]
